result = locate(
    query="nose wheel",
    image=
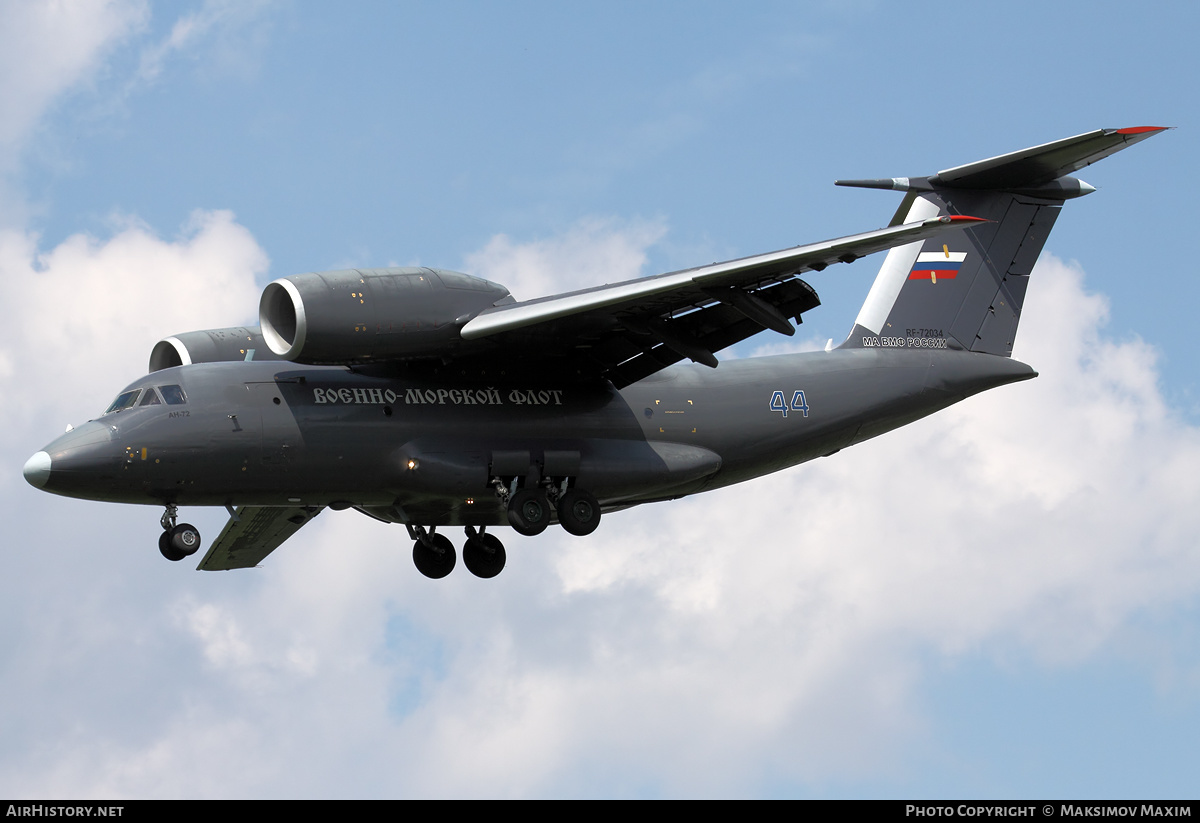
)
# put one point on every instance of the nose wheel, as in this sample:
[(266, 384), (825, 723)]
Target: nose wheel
[(177, 541)]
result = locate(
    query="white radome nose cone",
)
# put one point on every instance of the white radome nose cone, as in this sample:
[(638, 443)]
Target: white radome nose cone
[(37, 469)]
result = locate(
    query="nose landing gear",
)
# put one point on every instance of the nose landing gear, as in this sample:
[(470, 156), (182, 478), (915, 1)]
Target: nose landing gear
[(177, 541)]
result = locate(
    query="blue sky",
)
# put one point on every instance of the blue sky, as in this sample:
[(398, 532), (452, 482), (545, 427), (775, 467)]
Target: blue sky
[(1009, 611)]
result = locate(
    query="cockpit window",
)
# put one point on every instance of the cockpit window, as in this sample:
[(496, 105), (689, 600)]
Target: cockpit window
[(124, 401), (173, 395), (150, 399)]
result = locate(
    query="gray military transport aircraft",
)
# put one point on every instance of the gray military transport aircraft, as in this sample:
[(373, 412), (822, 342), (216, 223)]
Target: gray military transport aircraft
[(435, 399)]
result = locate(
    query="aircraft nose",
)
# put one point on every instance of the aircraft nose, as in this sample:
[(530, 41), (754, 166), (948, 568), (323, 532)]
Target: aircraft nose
[(37, 470)]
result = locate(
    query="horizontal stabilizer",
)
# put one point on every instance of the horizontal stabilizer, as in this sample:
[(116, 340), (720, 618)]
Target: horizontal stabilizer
[(1036, 171), (1042, 164)]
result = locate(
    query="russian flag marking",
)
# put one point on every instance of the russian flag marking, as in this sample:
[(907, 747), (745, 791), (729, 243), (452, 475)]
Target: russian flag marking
[(932, 265)]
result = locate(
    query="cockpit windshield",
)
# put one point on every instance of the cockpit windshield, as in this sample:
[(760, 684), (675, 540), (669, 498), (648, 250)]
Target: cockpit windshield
[(172, 395), (124, 400)]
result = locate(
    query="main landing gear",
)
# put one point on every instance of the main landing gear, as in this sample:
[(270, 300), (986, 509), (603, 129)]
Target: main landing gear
[(529, 509), (434, 556), (177, 540), (529, 513)]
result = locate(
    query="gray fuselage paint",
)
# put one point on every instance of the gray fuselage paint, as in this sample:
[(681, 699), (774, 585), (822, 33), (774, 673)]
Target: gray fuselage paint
[(276, 434)]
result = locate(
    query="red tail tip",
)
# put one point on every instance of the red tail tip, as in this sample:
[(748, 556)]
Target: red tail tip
[(1141, 129)]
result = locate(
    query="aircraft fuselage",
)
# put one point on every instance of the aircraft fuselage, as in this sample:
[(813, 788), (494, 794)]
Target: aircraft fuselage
[(430, 452)]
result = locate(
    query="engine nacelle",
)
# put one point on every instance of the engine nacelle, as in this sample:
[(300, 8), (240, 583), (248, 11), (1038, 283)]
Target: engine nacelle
[(371, 315), (211, 346)]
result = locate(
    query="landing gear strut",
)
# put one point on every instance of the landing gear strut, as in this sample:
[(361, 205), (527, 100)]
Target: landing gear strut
[(177, 541)]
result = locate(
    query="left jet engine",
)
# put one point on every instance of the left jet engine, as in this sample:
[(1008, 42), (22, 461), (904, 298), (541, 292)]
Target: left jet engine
[(372, 315), (210, 346)]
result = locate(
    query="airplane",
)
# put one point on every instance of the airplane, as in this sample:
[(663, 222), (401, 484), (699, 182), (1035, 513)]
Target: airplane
[(435, 399)]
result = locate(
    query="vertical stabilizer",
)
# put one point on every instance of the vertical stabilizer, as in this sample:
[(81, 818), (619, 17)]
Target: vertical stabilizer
[(967, 292)]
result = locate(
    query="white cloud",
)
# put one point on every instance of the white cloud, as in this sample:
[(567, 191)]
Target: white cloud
[(86, 313), (215, 20), (47, 48), (777, 630), (770, 345), (780, 630), (50, 49), (592, 252)]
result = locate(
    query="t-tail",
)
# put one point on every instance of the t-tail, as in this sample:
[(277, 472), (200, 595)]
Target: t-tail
[(966, 292)]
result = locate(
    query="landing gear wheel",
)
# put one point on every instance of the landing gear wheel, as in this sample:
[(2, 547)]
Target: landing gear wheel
[(168, 551), (185, 539), (484, 555), (529, 512), (579, 512), (434, 556)]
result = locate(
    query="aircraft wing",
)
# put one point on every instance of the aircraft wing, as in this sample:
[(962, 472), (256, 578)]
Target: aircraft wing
[(252, 534), (627, 331)]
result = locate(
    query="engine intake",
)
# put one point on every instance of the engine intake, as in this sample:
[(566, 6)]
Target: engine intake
[(211, 346)]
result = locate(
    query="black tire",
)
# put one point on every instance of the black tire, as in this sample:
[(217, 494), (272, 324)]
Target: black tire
[(185, 538), (435, 559), (579, 512), (484, 556), (529, 512), (168, 551)]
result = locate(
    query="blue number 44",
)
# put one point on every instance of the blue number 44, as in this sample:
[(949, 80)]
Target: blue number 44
[(780, 405)]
